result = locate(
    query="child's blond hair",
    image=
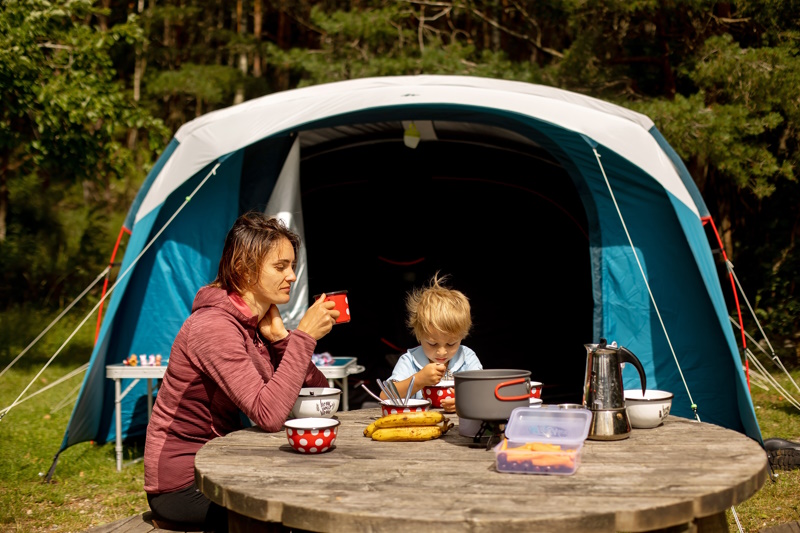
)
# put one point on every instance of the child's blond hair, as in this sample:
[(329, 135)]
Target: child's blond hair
[(438, 308)]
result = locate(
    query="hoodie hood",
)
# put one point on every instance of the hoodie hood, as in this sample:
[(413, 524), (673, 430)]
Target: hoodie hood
[(214, 297)]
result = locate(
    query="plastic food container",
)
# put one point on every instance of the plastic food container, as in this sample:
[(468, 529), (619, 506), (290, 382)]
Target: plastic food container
[(543, 441)]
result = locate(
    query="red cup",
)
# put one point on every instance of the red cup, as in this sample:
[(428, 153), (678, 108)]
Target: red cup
[(536, 389), (437, 393), (342, 304)]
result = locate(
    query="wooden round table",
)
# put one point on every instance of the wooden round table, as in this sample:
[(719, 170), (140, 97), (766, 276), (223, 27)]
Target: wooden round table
[(683, 473)]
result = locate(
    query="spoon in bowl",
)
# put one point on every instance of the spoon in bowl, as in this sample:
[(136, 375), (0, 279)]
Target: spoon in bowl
[(391, 385), (371, 393), (408, 392), (384, 385)]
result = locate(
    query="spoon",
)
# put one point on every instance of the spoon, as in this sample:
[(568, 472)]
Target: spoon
[(371, 393), (408, 392), (384, 385), (398, 400)]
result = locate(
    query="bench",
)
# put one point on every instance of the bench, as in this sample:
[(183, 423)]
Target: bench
[(142, 523)]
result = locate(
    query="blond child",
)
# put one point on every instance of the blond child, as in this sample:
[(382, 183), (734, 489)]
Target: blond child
[(440, 319)]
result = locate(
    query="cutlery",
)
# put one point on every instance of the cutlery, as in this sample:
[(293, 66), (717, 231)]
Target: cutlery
[(398, 399), (384, 385), (383, 389), (408, 392), (371, 393)]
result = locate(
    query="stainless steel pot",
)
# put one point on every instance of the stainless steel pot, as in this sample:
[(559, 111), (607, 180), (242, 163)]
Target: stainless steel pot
[(491, 394)]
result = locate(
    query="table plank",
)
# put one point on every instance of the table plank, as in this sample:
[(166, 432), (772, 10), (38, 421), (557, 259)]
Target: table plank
[(657, 478)]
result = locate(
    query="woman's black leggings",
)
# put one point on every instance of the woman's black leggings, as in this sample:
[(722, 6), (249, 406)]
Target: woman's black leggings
[(189, 506)]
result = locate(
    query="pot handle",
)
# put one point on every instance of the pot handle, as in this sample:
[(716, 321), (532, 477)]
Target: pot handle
[(512, 398)]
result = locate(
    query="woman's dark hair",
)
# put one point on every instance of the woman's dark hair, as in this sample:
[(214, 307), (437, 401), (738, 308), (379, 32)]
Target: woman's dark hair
[(249, 241)]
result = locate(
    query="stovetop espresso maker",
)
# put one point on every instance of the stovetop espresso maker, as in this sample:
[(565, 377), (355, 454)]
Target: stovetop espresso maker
[(603, 392)]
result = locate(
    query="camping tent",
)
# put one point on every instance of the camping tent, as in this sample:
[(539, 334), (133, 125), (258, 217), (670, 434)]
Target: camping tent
[(562, 217)]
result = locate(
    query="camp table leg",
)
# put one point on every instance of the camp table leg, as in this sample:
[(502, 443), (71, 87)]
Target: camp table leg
[(118, 410)]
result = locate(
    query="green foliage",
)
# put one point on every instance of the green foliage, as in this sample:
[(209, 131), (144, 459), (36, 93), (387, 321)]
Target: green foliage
[(383, 41), (752, 89), (204, 86), (740, 136), (66, 168), (718, 79)]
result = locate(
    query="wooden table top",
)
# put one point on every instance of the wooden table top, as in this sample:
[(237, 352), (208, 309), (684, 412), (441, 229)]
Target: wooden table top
[(674, 474)]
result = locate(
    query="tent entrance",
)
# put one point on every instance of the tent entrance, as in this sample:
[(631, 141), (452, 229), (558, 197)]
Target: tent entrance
[(504, 220)]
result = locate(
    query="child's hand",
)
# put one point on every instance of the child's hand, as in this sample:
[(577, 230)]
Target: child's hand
[(431, 374), (449, 404)]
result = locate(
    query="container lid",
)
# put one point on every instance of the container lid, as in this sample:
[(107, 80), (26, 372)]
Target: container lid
[(563, 426)]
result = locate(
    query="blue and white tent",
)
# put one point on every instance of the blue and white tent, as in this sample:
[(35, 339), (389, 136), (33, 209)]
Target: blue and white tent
[(564, 219)]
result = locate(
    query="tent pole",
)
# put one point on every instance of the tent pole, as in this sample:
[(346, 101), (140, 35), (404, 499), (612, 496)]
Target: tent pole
[(122, 230), (52, 470), (708, 219)]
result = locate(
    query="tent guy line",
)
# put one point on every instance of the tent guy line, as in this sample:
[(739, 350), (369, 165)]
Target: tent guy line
[(59, 381), (729, 266), (772, 381), (110, 291), (58, 318), (775, 359), (647, 283)]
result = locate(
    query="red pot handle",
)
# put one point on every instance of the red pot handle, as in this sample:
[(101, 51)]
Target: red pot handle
[(511, 398)]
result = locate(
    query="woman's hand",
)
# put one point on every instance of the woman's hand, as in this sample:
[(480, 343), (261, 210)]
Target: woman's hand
[(430, 375), (271, 326), (319, 319)]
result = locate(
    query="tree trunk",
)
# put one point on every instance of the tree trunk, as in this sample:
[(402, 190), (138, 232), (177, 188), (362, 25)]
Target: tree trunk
[(257, 21), (167, 37), (103, 19), (219, 60), (241, 29), (3, 197), (138, 72), (282, 39), (662, 34)]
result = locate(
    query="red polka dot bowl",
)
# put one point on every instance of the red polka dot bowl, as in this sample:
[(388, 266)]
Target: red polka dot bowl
[(437, 393), (312, 435), (414, 404)]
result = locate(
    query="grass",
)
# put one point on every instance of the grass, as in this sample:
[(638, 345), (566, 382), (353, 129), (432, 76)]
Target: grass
[(88, 491), (778, 501)]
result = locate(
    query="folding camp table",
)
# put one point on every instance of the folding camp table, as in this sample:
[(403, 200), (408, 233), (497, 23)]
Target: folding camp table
[(119, 371), (337, 373)]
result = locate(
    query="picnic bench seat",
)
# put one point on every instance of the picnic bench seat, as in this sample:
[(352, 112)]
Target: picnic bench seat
[(142, 523)]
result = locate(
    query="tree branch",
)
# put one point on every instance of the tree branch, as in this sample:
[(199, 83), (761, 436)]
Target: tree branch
[(534, 42)]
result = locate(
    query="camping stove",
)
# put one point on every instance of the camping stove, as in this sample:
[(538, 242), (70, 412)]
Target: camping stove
[(492, 431)]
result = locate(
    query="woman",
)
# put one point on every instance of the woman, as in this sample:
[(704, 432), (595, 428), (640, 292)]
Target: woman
[(232, 354)]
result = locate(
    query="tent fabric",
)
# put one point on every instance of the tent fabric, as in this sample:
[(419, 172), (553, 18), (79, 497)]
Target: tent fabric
[(342, 141)]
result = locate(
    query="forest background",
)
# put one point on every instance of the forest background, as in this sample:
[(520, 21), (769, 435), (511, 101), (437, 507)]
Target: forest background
[(91, 92)]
